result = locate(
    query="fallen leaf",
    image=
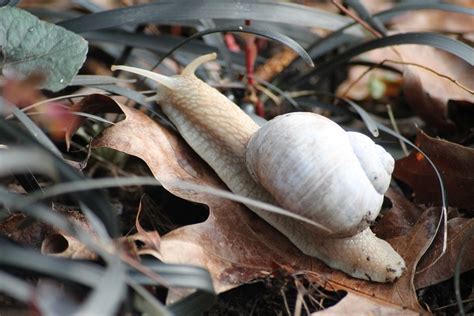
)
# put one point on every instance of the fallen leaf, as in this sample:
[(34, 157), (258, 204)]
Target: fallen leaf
[(92, 104), (459, 230), (379, 83), (234, 244), (427, 93), (58, 243), (151, 239), (424, 83), (52, 241), (353, 304), (21, 229), (454, 162), (411, 247), (434, 21), (399, 219)]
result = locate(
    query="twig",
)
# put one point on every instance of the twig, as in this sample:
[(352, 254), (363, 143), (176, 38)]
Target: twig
[(357, 19), (395, 127), (456, 82)]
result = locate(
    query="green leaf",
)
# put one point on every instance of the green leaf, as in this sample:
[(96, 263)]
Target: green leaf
[(29, 45)]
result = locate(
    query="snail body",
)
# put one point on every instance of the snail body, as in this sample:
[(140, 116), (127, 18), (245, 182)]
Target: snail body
[(346, 197)]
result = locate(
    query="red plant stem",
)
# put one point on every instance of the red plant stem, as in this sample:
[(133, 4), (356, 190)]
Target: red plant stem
[(259, 108), (250, 54), (251, 51)]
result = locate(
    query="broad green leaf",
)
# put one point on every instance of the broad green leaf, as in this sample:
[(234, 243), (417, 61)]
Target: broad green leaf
[(29, 45)]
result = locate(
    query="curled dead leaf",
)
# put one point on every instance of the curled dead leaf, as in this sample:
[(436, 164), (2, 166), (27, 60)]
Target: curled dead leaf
[(455, 163), (353, 304), (431, 272), (60, 244)]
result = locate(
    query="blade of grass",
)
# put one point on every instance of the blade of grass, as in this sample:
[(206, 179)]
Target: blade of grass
[(86, 185), (366, 118), (365, 15), (342, 37), (93, 199), (182, 276), (31, 127), (89, 80), (160, 44), (165, 12), (278, 37), (418, 38)]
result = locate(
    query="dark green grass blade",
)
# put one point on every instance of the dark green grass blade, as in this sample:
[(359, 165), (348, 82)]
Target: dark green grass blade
[(34, 130), (283, 39), (447, 44), (160, 44), (95, 200), (182, 276), (170, 11), (365, 15), (343, 36)]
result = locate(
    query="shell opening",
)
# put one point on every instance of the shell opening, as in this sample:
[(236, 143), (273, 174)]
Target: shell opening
[(168, 82), (192, 66)]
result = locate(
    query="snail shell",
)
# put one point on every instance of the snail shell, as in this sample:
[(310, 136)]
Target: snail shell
[(312, 166)]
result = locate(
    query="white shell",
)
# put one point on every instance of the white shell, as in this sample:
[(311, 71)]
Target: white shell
[(308, 164), (375, 161)]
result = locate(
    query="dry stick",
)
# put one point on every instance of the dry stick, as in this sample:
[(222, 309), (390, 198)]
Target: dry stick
[(357, 19), (395, 128), (285, 302), (456, 82), (364, 25), (29, 107), (268, 93), (368, 28)]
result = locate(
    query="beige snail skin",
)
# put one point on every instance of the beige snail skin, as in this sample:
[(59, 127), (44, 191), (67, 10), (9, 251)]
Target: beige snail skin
[(302, 162)]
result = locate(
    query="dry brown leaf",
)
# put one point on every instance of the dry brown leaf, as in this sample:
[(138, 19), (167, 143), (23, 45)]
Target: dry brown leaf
[(52, 241), (92, 104), (379, 83), (22, 230), (458, 230), (427, 93), (353, 304), (151, 239), (425, 90), (235, 245), (401, 217), (434, 21), (454, 162), (411, 247), (60, 244)]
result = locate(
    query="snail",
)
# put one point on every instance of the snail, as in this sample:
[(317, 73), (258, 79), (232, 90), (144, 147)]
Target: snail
[(303, 162)]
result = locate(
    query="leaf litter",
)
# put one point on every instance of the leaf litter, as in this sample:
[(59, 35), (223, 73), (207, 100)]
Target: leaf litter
[(234, 244)]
